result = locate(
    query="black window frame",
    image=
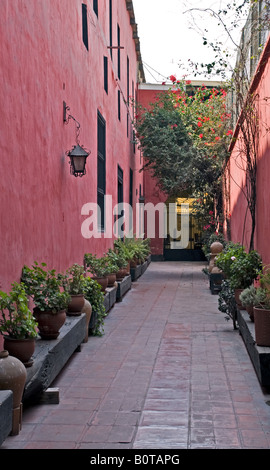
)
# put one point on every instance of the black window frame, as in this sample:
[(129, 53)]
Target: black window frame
[(105, 65), (85, 26), (101, 169), (95, 7)]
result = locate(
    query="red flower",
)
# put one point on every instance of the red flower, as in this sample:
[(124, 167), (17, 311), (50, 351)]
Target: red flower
[(230, 132), (173, 78), (201, 136), (199, 124), (188, 82)]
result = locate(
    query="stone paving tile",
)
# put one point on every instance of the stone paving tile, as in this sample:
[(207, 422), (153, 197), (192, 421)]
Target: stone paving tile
[(169, 373)]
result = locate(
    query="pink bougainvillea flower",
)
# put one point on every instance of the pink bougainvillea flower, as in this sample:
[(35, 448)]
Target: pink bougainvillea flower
[(230, 132)]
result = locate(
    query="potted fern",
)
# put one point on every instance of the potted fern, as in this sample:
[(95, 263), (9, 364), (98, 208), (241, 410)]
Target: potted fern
[(18, 325)]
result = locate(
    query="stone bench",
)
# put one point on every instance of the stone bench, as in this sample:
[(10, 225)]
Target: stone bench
[(259, 355), (6, 416), (50, 356)]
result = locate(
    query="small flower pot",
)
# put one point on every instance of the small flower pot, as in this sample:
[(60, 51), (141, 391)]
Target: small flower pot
[(22, 349), (49, 323), (103, 282), (76, 304), (262, 326), (111, 280)]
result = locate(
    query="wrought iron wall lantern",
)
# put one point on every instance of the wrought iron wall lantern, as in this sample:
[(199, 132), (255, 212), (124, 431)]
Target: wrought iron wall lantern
[(78, 154)]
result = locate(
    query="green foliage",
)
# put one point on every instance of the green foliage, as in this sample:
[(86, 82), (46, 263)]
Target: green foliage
[(227, 303), (19, 322), (46, 287), (118, 260), (132, 248), (99, 267), (240, 267), (93, 293), (167, 147), (248, 297), (75, 279)]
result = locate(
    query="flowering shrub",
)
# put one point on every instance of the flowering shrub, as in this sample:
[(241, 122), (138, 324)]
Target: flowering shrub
[(239, 267)]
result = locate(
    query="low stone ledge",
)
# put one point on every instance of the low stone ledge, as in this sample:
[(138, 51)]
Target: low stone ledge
[(6, 410), (144, 267), (123, 287), (136, 272), (50, 356), (259, 355)]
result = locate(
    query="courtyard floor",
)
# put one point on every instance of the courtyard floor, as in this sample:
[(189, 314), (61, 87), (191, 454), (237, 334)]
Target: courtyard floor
[(169, 373)]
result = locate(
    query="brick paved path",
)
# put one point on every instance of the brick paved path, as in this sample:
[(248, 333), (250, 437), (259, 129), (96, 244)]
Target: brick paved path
[(169, 373)]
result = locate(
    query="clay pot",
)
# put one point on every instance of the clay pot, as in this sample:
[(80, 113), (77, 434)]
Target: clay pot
[(237, 293), (111, 279), (87, 309), (75, 305), (49, 323), (103, 282), (121, 274), (22, 349), (13, 377), (262, 326)]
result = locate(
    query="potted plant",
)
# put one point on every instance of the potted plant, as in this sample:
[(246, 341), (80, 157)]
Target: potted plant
[(261, 310), (50, 296), (239, 267), (119, 259), (248, 300), (18, 325), (95, 296), (98, 267), (75, 285)]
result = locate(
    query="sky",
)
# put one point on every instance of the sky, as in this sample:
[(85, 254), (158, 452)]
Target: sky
[(169, 34)]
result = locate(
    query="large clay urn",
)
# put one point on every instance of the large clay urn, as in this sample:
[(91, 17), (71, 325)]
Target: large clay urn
[(13, 377), (87, 309)]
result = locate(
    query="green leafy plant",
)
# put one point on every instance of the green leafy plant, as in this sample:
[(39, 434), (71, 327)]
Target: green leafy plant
[(46, 287), (93, 293), (17, 319), (249, 296), (99, 267), (240, 267), (75, 279), (118, 259), (227, 303)]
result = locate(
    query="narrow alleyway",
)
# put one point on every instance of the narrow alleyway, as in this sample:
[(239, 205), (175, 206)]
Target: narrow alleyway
[(169, 373)]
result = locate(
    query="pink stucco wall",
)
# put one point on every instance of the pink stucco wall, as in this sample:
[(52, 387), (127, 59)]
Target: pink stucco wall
[(260, 86), (43, 63)]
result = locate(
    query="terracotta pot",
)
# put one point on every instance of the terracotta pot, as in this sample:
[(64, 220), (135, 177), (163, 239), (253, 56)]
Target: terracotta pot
[(13, 377), (134, 263), (103, 282), (111, 279), (262, 326), (249, 309), (237, 293), (76, 304), (49, 323), (22, 349), (121, 274)]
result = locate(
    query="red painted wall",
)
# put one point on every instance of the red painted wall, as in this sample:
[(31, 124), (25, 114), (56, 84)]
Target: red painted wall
[(43, 63), (261, 86)]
